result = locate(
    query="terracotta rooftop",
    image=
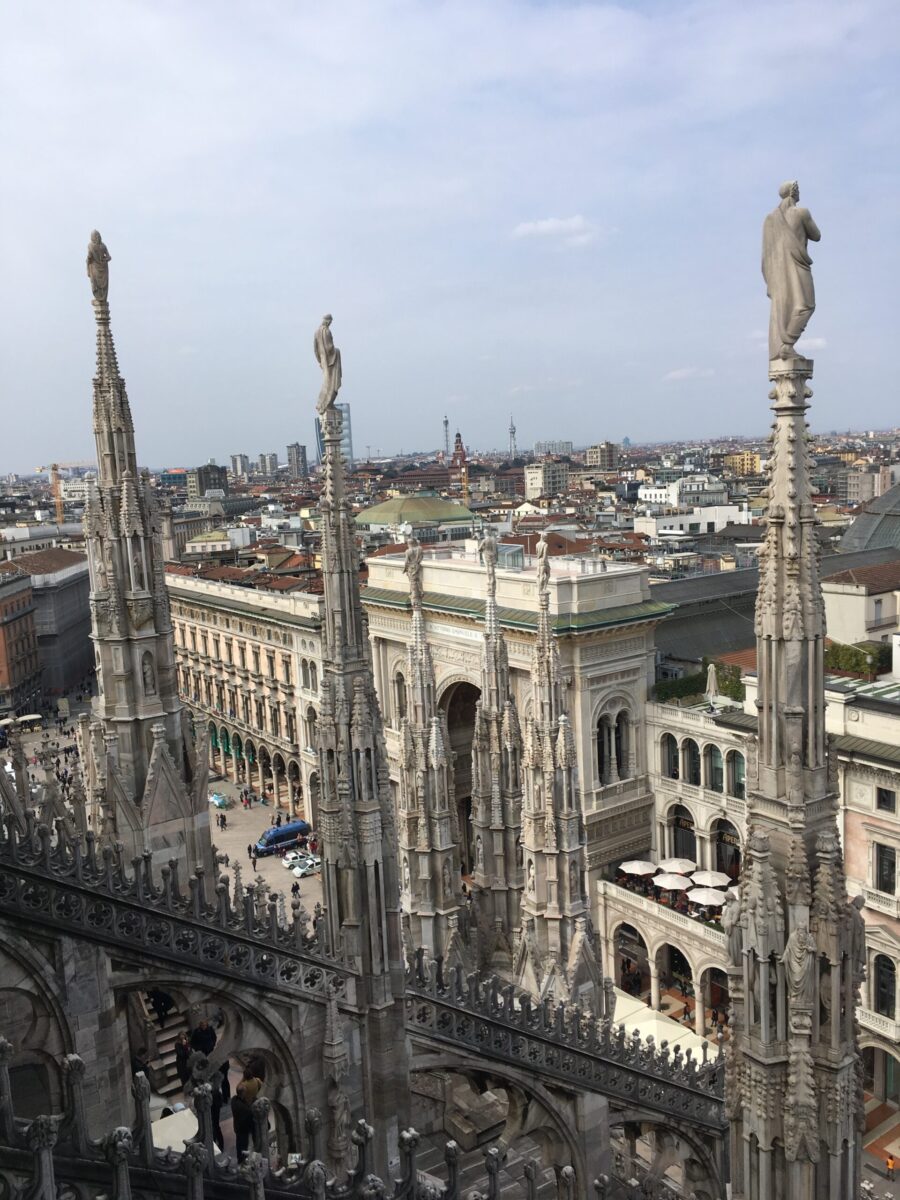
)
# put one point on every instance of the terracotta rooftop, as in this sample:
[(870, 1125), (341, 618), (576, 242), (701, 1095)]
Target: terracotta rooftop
[(46, 562), (882, 577)]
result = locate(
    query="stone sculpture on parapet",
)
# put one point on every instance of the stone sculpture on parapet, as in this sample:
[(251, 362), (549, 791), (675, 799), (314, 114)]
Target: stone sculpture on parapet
[(329, 359), (412, 566), (543, 563), (98, 258), (786, 268)]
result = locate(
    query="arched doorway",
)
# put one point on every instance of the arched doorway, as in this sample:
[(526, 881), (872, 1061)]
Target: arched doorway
[(632, 961), (278, 777), (682, 838), (458, 702), (727, 848), (716, 997), (668, 753), (690, 762), (881, 1072)]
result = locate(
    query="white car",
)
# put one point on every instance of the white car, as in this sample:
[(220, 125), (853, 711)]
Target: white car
[(308, 867), (294, 858)]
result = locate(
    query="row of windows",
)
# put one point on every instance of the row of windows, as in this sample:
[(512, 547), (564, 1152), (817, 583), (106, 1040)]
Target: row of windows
[(205, 617), (236, 654), (258, 714), (709, 769)]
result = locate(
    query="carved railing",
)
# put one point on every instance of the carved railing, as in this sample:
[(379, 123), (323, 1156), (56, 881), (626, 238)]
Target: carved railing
[(501, 1022), (242, 933), (63, 882), (53, 1156)]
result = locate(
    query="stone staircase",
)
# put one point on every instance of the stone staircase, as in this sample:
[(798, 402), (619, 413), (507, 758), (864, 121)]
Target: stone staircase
[(166, 1079)]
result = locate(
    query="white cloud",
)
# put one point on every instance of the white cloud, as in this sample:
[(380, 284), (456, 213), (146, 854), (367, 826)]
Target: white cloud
[(572, 231), (680, 373)]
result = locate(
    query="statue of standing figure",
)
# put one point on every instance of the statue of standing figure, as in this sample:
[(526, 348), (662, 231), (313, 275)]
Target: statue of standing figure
[(329, 359), (487, 548), (98, 258), (786, 268), (543, 563), (412, 566)]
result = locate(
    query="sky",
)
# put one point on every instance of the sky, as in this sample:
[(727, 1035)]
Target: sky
[(551, 210)]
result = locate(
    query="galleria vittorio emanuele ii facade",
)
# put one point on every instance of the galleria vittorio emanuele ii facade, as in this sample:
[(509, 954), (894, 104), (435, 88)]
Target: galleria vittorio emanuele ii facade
[(493, 994)]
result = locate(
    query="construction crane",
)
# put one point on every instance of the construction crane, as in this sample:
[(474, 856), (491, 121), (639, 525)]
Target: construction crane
[(56, 485)]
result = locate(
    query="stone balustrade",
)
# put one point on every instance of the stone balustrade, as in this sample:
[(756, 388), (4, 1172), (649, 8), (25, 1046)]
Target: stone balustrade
[(54, 1155), (563, 1041), (663, 916)]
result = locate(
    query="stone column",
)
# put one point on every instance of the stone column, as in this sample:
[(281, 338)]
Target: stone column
[(654, 985), (613, 766), (699, 1006)]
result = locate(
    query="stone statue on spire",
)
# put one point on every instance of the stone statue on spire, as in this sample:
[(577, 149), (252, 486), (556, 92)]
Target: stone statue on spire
[(487, 548), (98, 258), (543, 563), (786, 268), (329, 359), (412, 566)]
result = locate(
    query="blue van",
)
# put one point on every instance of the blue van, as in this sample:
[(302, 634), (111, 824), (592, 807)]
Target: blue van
[(281, 836)]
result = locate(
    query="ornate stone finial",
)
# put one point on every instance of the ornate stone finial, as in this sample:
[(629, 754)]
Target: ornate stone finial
[(98, 258), (329, 359), (786, 268)]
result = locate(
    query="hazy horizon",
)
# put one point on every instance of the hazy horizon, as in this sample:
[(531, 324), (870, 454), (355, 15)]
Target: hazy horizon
[(553, 210)]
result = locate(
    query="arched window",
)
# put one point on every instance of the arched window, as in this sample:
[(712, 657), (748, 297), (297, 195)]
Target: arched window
[(885, 989), (304, 673), (399, 696), (313, 677), (736, 775), (727, 848), (684, 840), (690, 762), (623, 745), (668, 757), (311, 725), (715, 769), (603, 754)]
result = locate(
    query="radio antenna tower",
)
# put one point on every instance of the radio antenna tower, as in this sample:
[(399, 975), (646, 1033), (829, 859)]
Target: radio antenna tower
[(446, 438), (513, 451)]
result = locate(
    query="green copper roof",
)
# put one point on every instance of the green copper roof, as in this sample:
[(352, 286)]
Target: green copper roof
[(520, 618), (416, 509)]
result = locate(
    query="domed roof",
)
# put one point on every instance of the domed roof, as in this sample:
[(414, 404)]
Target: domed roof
[(415, 509), (877, 525)]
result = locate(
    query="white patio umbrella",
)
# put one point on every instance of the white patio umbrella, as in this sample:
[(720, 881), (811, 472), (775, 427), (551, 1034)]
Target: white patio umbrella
[(712, 684), (672, 883), (638, 866), (711, 878), (706, 896), (681, 866)]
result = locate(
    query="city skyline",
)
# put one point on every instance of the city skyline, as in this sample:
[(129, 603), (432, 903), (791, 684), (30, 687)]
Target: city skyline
[(461, 279)]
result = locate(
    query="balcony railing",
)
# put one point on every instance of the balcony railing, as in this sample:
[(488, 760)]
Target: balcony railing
[(882, 902), (884, 1026), (623, 898)]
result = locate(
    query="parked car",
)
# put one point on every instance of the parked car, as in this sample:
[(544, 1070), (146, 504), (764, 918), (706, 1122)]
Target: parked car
[(294, 858), (309, 867)]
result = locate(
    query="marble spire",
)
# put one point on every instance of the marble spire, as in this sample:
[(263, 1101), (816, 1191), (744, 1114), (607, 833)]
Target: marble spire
[(795, 943), (147, 782), (429, 822), (361, 890), (498, 874), (556, 955)]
